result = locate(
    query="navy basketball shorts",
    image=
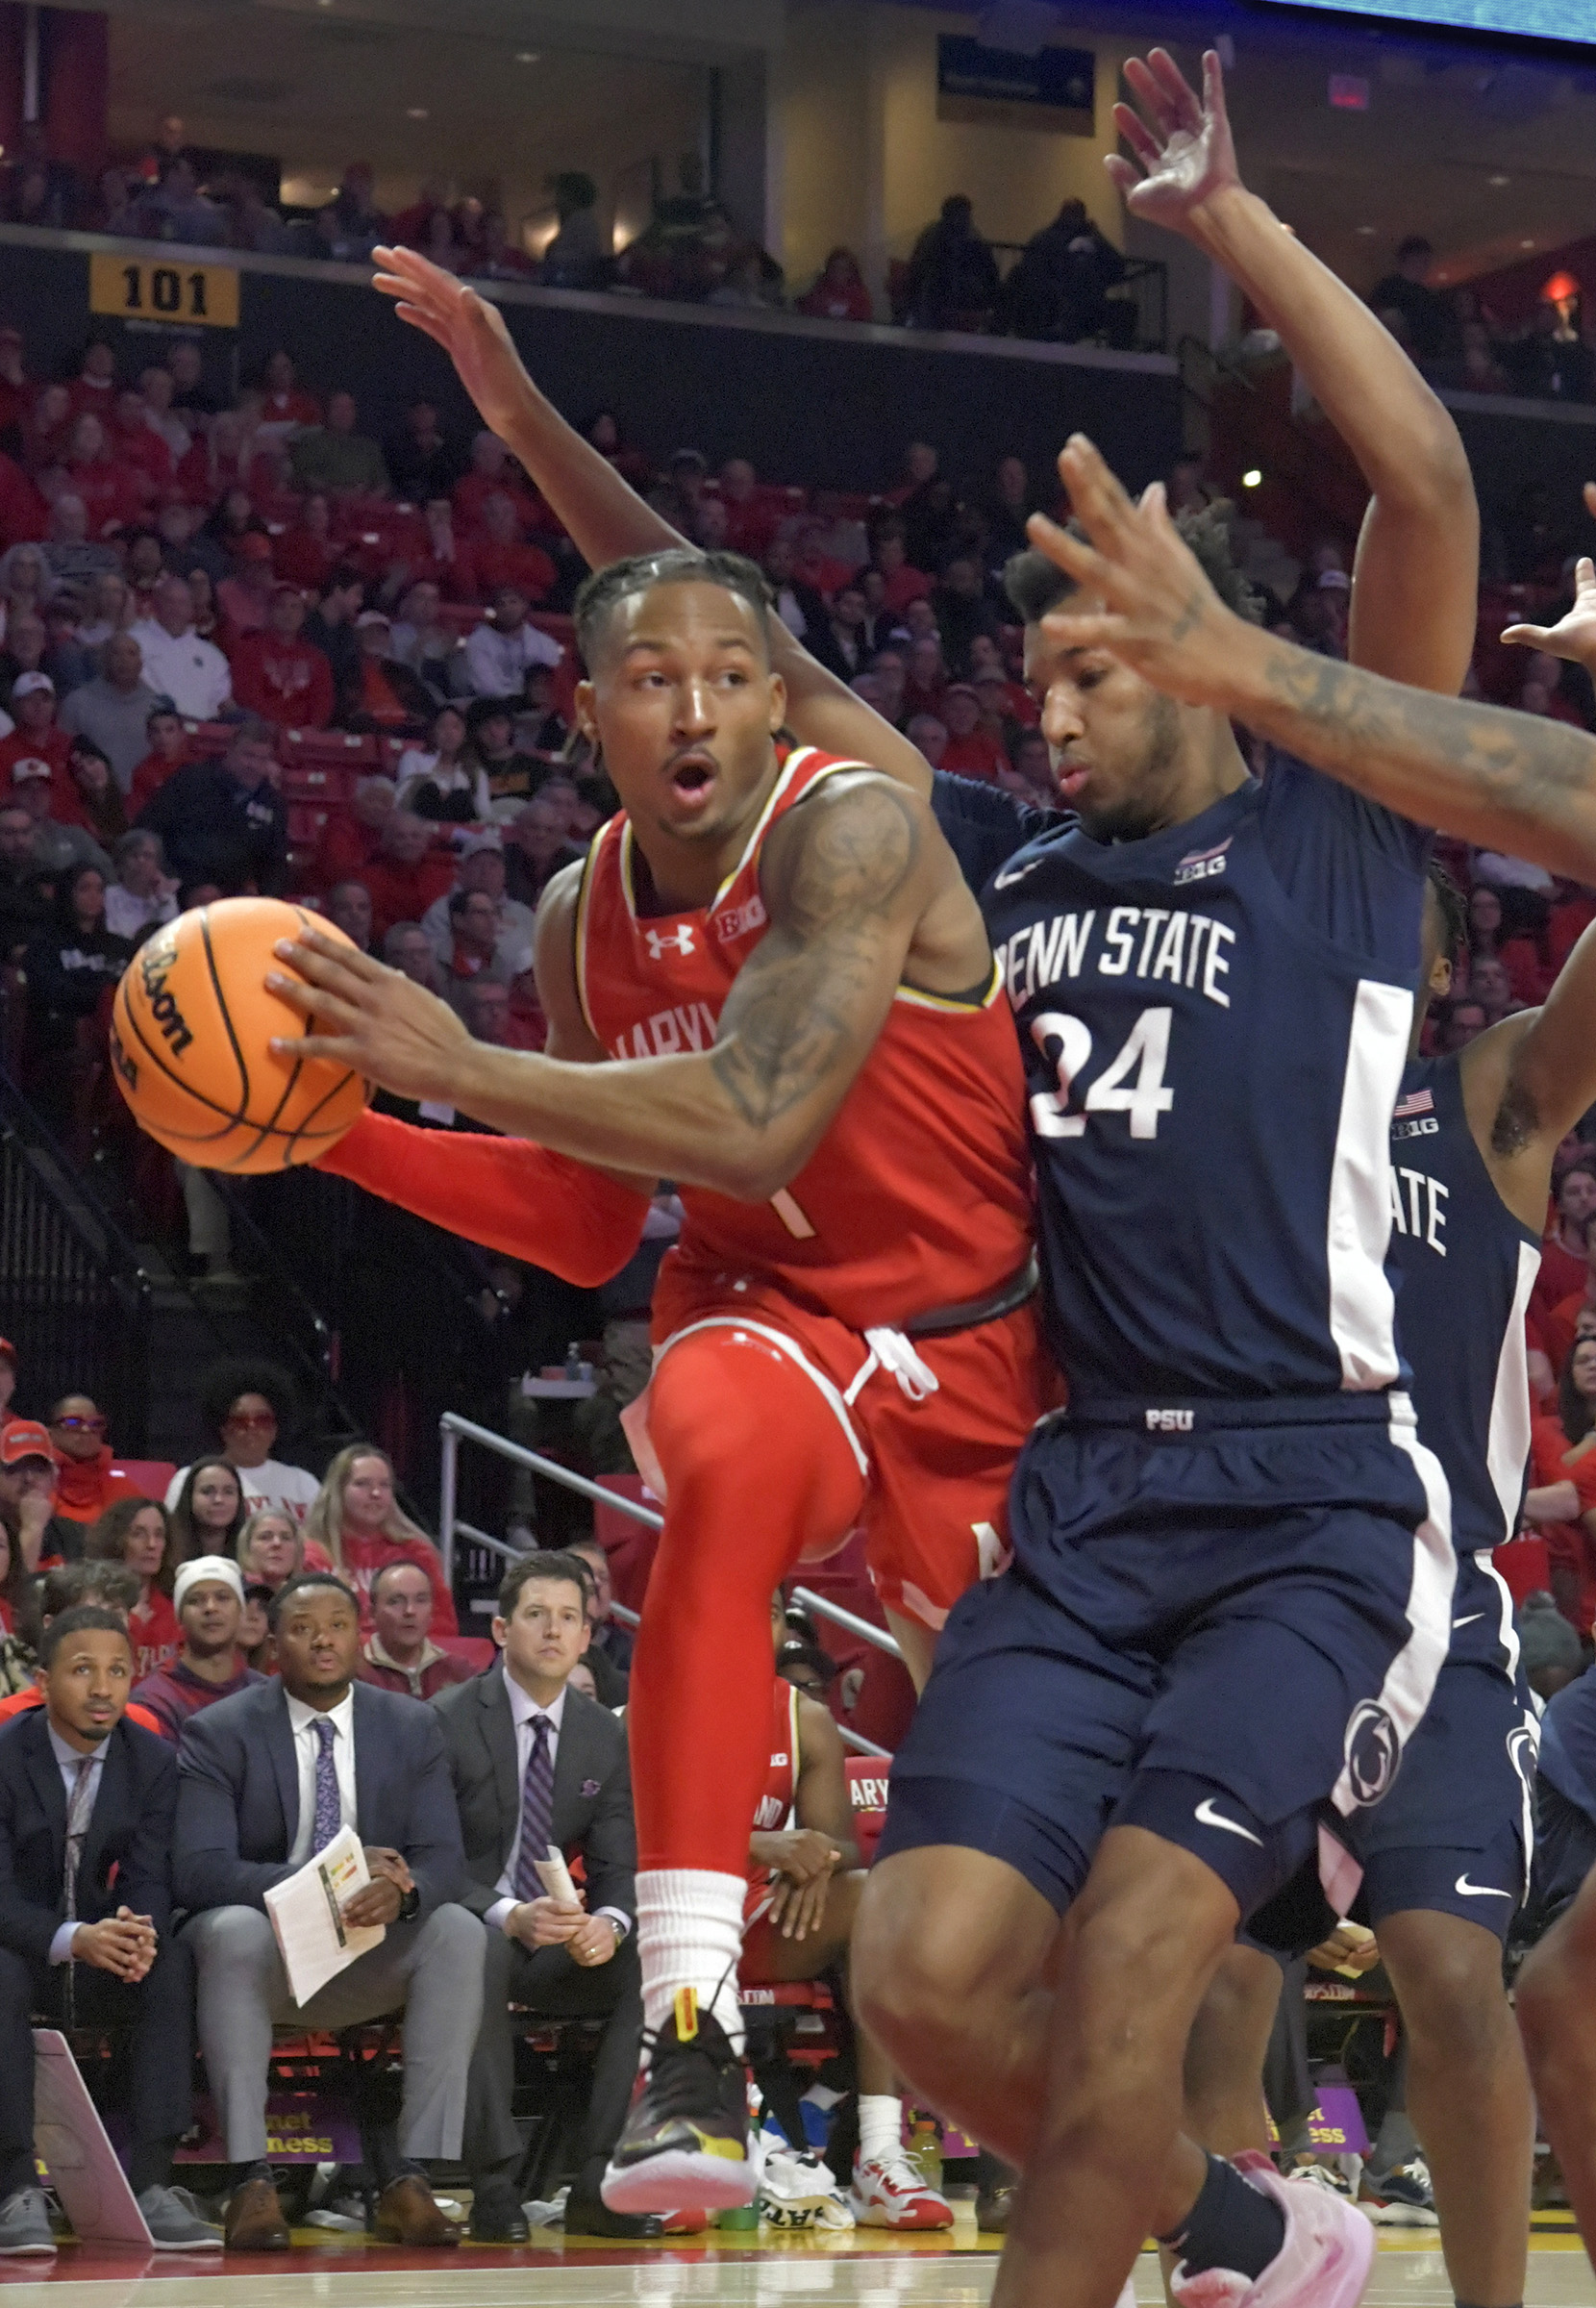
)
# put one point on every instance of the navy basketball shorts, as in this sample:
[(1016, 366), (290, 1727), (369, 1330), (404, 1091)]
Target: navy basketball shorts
[(1218, 1616), (1455, 1834)]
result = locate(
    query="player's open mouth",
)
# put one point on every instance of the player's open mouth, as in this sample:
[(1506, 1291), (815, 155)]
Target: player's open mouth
[(692, 776)]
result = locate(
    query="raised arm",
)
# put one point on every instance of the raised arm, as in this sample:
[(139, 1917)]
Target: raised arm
[(1513, 782), (848, 880), (1417, 575), (1528, 1080), (606, 520)]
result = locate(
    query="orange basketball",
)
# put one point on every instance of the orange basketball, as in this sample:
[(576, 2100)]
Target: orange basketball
[(191, 1035)]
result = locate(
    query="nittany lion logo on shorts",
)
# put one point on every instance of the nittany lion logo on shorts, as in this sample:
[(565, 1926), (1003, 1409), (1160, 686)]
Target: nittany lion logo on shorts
[(1373, 1751)]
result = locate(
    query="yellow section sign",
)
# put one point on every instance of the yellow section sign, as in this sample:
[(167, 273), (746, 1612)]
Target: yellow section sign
[(138, 288)]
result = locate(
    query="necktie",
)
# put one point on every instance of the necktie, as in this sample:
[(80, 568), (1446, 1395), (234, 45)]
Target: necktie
[(329, 1817), (78, 1812), (536, 1812)]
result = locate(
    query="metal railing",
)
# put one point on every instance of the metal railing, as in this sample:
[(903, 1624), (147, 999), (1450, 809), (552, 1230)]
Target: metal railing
[(74, 1299), (454, 1430)]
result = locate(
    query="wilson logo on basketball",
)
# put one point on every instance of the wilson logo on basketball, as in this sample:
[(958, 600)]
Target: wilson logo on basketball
[(125, 1067), (164, 1009)]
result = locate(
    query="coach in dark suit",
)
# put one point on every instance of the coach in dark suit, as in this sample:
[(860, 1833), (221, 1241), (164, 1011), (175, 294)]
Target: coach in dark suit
[(535, 1763), (266, 1779), (87, 1804)]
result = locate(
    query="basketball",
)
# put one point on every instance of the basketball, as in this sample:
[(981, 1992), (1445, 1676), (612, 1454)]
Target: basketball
[(191, 1037)]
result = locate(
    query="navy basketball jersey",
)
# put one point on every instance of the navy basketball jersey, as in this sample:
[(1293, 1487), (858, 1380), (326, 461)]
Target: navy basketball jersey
[(1215, 1020), (1465, 1267)]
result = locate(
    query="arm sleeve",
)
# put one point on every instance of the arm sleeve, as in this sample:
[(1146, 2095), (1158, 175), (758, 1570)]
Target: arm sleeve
[(1352, 870), (503, 1192)]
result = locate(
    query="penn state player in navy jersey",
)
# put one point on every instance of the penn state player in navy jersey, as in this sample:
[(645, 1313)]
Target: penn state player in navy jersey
[(1445, 1855)]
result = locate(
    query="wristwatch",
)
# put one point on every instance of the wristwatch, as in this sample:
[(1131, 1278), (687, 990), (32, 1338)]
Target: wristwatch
[(409, 1905)]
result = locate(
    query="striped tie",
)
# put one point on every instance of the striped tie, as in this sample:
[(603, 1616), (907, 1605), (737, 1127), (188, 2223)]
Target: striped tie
[(536, 1812), (79, 1810)]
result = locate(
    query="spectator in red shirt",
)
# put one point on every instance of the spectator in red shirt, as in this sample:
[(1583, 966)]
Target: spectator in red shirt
[(928, 676), (1562, 1500), (493, 472), (279, 674), (1562, 1254), (208, 1595), (751, 523), (49, 421), (408, 875), (138, 1532), (37, 739), (136, 445), (287, 401), (360, 1522), (503, 557), (1557, 1328), (168, 751), (445, 560), (387, 695), (305, 554), (839, 293), (243, 597), (24, 516), (900, 583), (107, 491), (94, 388), (969, 751), (350, 843), (399, 1654)]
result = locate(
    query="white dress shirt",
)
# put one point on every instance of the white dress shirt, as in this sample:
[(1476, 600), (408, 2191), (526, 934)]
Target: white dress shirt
[(496, 662), (522, 1709), (189, 671), (302, 1723), (67, 1760)]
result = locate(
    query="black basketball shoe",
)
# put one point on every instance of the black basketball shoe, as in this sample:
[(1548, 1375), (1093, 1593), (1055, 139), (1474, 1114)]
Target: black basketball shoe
[(685, 2140)]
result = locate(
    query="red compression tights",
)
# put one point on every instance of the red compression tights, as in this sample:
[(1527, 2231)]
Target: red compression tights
[(759, 1473)]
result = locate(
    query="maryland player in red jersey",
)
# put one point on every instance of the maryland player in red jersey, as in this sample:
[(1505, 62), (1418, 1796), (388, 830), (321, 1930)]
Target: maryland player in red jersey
[(785, 949)]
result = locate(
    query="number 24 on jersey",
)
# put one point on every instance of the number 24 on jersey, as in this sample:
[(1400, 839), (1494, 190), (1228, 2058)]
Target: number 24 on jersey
[(1144, 1057)]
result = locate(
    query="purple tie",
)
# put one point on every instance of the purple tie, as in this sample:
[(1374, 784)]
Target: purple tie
[(536, 1812), (329, 1808)]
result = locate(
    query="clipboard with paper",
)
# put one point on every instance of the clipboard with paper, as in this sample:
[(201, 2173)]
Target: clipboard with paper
[(306, 1918)]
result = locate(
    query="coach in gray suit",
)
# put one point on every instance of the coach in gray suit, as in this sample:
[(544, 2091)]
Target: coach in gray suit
[(267, 1778), (535, 1763)]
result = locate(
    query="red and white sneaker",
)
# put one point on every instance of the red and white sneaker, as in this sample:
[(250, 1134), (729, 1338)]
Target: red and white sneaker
[(1323, 2262), (889, 2192)]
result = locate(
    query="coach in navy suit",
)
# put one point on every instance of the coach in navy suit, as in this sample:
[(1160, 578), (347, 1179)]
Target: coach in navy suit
[(86, 1804), (267, 1778)]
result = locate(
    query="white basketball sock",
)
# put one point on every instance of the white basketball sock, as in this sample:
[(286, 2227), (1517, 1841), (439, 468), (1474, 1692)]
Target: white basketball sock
[(881, 2127), (690, 1935)]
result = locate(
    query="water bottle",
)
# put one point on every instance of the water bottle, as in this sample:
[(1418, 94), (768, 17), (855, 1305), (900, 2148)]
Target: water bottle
[(573, 1361), (925, 2148)]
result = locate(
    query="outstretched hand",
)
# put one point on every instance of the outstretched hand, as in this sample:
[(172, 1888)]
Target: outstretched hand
[(1573, 636), (1184, 147), (1142, 595), (371, 1017), (470, 329)]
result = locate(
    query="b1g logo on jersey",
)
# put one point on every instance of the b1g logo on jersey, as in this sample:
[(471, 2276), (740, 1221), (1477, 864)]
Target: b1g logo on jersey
[(661, 942), (1202, 865), (1373, 1751), (741, 921)]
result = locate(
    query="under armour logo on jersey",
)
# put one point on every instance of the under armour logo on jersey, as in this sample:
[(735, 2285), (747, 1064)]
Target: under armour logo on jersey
[(1373, 1751), (678, 941)]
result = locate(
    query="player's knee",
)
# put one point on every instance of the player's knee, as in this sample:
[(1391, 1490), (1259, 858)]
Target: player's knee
[(1448, 1977), (1549, 1998), (928, 1970)]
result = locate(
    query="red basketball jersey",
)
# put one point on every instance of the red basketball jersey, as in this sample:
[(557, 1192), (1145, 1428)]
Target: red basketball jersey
[(918, 1196), (780, 1789)]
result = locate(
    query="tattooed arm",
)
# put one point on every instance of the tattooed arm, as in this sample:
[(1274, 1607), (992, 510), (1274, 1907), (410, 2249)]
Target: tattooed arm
[(1528, 1080), (1505, 781), (606, 520), (853, 879)]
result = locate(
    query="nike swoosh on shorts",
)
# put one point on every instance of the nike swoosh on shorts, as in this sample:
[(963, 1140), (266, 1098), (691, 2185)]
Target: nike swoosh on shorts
[(1206, 1816), (1479, 1891)]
